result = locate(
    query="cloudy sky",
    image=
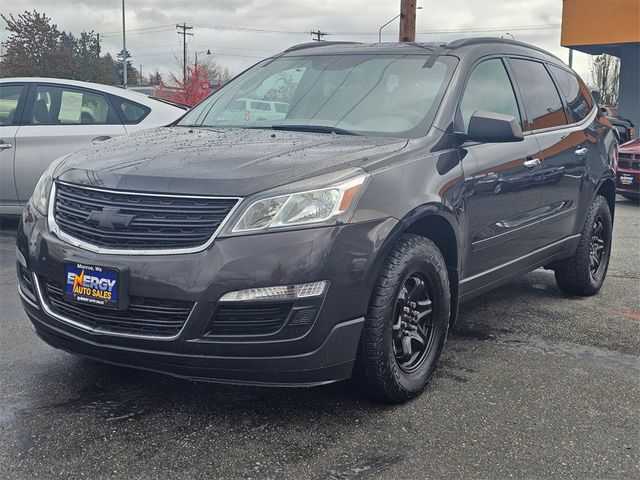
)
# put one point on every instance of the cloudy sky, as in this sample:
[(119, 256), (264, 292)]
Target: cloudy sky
[(240, 32)]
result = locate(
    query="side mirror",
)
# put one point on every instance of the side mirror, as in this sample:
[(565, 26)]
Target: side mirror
[(492, 127)]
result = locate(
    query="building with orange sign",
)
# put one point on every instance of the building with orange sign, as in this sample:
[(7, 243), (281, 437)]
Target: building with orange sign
[(613, 27)]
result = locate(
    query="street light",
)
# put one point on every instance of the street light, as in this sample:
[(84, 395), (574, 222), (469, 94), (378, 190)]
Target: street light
[(380, 30), (207, 51)]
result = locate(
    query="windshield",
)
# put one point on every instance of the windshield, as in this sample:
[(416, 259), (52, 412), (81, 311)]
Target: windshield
[(386, 95)]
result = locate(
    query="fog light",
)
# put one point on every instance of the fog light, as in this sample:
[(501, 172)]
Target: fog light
[(282, 292)]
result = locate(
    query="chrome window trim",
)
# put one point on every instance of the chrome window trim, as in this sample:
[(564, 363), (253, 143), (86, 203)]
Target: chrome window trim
[(55, 229), (81, 326)]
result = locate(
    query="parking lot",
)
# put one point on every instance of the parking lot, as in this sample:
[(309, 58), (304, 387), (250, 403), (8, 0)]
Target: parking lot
[(534, 385)]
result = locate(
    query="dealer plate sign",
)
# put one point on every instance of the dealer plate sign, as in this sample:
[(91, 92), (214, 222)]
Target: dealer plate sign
[(91, 284)]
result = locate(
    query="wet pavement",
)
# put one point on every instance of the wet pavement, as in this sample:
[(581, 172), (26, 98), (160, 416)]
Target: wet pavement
[(534, 385)]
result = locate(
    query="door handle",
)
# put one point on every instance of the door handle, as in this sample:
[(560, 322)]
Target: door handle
[(581, 152), (5, 146), (532, 162), (100, 139)]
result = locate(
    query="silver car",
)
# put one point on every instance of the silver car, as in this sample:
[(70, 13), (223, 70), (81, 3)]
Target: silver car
[(42, 119)]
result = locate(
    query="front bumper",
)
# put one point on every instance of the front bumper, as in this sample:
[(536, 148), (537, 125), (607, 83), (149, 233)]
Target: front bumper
[(347, 256), (628, 181)]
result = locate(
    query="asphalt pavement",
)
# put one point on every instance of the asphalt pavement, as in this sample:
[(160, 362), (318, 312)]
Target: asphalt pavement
[(535, 385)]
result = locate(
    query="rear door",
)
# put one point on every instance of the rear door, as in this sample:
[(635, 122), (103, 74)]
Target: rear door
[(502, 181), (563, 146), (58, 120), (12, 98)]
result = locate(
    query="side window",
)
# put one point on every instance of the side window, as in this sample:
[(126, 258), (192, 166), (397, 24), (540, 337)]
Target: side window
[(63, 106), (577, 97), (541, 98), (489, 88), (9, 98), (260, 106), (130, 112)]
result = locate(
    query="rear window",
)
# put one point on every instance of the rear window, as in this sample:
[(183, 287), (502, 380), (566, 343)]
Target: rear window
[(130, 112), (576, 95), (541, 98)]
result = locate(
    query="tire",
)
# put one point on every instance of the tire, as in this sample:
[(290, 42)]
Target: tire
[(384, 368), (576, 275)]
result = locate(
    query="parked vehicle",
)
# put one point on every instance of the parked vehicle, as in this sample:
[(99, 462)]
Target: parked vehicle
[(624, 127), (247, 109), (44, 118), (337, 241), (628, 171)]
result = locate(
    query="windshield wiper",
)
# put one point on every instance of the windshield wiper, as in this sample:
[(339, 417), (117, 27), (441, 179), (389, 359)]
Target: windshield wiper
[(314, 128)]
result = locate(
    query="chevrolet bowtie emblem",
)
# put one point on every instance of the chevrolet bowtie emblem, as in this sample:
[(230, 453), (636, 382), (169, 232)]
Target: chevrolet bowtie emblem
[(110, 218)]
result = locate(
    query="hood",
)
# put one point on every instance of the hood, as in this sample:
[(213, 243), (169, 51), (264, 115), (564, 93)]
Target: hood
[(632, 146), (225, 162)]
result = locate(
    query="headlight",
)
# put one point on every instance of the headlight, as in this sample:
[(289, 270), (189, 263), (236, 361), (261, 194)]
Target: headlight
[(313, 206), (40, 196)]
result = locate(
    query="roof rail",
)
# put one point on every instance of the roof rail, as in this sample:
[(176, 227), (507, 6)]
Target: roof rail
[(303, 46), (467, 42)]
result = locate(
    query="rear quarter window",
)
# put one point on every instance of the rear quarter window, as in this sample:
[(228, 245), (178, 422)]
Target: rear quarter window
[(575, 93), (129, 112)]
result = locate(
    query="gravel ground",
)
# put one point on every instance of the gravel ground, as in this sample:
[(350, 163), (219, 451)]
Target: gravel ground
[(534, 385)]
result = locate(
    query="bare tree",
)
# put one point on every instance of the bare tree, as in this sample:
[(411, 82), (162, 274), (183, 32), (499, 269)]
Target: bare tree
[(605, 75)]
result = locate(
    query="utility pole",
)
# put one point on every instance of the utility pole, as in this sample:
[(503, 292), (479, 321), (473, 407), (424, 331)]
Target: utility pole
[(184, 34), (141, 77), (571, 58), (407, 20), (98, 45), (125, 56), (318, 34)]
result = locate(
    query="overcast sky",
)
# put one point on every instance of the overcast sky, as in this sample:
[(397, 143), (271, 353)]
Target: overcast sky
[(272, 25)]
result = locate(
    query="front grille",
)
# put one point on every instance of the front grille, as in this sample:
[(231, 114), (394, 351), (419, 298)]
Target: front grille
[(626, 161), (137, 221), (145, 316), (250, 318)]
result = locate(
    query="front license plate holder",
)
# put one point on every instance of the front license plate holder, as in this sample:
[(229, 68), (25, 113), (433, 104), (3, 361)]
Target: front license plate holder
[(93, 285), (626, 180)]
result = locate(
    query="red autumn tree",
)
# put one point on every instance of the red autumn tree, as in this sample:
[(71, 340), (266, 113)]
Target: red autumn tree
[(195, 89)]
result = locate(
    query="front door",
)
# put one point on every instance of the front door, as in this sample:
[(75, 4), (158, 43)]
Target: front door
[(502, 182), (11, 101), (59, 120)]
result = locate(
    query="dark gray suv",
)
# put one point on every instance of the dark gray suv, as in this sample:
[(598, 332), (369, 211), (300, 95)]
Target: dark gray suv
[(333, 235)]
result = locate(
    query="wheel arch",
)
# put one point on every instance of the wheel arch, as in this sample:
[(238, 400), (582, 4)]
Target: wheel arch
[(607, 189), (441, 226)]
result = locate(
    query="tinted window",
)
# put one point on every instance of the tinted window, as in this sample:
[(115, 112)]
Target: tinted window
[(541, 99), (577, 96), (9, 97), (260, 106), (488, 88), (64, 106), (130, 112)]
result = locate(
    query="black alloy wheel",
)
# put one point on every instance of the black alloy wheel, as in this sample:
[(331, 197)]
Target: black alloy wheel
[(413, 329), (597, 247)]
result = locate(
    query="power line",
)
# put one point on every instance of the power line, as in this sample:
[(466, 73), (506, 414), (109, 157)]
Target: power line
[(138, 29), (465, 30)]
